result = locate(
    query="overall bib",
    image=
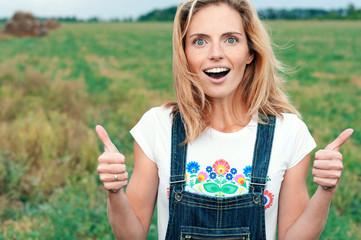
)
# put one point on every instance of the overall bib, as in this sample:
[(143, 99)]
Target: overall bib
[(193, 216)]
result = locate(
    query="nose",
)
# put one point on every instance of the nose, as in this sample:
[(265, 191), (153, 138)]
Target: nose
[(216, 52)]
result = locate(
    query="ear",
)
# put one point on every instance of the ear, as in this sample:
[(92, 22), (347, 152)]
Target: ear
[(250, 58)]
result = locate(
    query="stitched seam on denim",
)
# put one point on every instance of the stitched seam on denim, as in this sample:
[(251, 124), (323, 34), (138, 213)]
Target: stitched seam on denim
[(218, 235), (214, 200), (203, 228), (184, 163), (255, 157), (196, 200), (172, 187), (215, 208), (192, 204), (171, 221), (221, 215)]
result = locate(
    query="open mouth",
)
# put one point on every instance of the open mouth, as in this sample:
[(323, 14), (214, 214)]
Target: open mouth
[(217, 73)]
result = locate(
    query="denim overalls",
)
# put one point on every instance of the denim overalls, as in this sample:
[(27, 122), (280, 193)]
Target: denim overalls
[(193, 216)]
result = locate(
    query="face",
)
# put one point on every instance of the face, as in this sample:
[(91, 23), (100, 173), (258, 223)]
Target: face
[(217, 51)]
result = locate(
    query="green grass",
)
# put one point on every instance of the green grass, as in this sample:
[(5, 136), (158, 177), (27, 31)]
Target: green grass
[(54, 90)]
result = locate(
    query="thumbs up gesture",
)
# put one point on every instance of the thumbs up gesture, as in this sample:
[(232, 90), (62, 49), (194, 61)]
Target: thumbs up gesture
[(111, 164), (327, 167)]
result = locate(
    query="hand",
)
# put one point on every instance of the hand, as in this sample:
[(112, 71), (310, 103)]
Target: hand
[(327, 167), (111, 167)]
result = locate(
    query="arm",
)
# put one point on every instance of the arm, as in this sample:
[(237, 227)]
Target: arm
[(129, 213), (299, 217)]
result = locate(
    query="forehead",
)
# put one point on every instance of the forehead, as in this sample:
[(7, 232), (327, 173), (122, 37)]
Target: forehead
[(216, 19)]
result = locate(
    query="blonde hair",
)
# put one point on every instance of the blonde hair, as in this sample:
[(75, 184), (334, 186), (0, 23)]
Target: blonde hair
[(261, 88)]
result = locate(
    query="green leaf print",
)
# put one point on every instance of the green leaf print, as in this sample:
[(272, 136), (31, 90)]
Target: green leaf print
[(191, 183), (211, 187), (229, 188)]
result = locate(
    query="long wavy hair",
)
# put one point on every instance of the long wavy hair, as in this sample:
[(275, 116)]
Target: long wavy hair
[(261, 88)]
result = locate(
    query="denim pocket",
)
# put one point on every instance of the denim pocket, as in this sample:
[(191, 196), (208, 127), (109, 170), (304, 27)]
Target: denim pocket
[(214, 233)]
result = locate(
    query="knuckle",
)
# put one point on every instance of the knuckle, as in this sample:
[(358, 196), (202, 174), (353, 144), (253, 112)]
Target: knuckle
[(316, 164), (315, 180), (102, 158), (102, 178), (119, 158), (124, 183), (107, 186), (317, 154), (339, 165)]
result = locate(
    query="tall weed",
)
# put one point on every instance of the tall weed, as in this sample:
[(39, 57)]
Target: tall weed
[(45, 137)]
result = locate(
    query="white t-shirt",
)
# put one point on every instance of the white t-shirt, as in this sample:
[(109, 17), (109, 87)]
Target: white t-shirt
[(218, 158)]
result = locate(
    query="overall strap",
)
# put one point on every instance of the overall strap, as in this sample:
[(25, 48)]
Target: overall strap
[(178, 154), (261, 156)]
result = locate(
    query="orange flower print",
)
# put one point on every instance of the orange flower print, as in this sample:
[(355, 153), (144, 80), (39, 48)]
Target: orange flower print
[(240, 179), (268, 199), (221, 167), (202, 176)]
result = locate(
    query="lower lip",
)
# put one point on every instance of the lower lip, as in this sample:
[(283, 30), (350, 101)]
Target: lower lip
[(217, 81)]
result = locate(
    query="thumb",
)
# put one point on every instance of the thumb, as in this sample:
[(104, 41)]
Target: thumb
[(340, 140), (104, 137)]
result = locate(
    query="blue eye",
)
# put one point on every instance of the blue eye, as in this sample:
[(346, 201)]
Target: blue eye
[(231, 40), (199, 42)]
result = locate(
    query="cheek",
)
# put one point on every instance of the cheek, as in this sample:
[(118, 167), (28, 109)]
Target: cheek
[(193, 61)]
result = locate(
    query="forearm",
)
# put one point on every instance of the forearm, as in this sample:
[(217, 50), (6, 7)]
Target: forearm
[(312, 221), (124, 222)]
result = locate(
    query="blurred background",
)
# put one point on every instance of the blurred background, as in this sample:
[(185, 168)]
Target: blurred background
[(66, 66)]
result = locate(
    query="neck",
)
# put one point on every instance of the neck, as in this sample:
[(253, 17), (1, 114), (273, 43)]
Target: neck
[(228, 118)]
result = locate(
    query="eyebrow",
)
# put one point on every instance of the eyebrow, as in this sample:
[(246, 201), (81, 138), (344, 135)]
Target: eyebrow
[(203, 35)]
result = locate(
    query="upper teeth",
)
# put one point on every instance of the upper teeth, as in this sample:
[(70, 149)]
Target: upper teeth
[(216, 70)]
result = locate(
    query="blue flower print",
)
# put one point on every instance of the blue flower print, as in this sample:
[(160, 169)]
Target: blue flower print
[(213, 175), (209, 169), (192, 167), (229, 176), (234, 171), (247, 171)]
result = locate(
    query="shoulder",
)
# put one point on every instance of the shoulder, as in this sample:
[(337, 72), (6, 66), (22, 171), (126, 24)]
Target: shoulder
[(289, 119), (158, 114), (155, 121), (290, 122), (291, 128)]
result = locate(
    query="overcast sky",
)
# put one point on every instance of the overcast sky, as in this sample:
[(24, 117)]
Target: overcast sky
[(107, 9)]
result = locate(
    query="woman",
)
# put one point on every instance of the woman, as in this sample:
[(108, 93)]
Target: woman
[(224, 161)]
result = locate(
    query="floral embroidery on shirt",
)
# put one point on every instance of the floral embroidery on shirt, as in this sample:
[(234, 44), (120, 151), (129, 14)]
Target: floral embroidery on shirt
[(217, 180), (221, 180), (268, 199), (247, 171), (192, 167), (221, 167)]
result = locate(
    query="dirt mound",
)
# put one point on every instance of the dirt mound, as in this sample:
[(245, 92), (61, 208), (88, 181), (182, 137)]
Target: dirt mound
[(24, 24), (52, 24)]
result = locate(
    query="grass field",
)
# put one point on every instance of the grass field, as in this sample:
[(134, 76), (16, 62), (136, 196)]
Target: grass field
[(54, 90)]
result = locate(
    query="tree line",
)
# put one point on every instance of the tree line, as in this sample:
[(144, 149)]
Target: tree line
[(350, 13), (167, 14)]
